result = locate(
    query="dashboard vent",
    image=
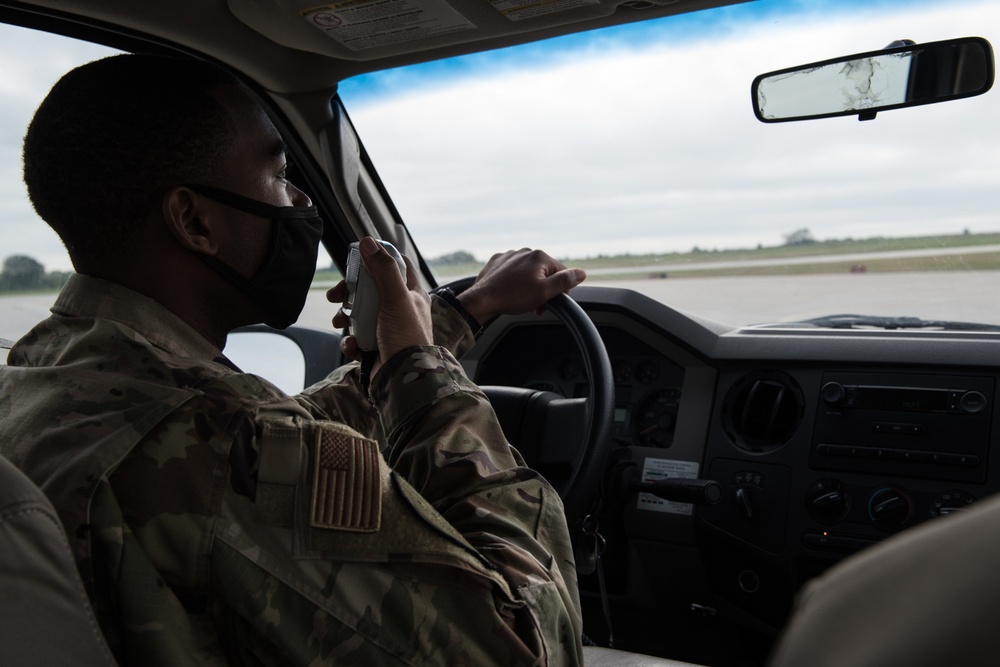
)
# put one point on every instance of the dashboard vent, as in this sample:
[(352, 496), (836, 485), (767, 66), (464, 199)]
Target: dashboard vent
[(763, 410)]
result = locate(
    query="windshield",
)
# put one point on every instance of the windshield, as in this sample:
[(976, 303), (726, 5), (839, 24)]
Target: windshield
[(634, 153)]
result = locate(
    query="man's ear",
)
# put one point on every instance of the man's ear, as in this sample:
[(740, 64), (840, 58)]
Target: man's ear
[(189, 220)]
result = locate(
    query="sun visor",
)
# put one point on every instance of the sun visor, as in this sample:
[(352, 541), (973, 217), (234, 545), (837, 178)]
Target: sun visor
[(363, 30)]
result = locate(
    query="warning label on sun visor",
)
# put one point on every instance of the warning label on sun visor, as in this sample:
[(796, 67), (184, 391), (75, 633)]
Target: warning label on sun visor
[(657, 469), (366, 24), (518, 10)]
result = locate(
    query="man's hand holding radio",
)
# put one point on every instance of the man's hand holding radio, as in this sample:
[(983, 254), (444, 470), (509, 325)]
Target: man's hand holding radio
[(404, 315), (511, 283)]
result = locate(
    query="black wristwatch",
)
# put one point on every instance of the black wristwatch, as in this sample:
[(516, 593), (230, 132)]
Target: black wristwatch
[(449, 296)]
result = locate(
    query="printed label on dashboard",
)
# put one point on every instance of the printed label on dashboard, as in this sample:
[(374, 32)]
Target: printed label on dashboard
[(366, 24), (657, 469), (518, 10)]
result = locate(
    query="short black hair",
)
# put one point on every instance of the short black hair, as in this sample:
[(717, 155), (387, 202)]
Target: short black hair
[(109, 139)]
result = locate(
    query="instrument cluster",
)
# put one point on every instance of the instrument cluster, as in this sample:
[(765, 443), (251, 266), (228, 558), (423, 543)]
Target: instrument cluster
[(544, 357)]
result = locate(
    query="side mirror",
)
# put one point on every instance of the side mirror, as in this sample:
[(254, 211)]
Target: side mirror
[(866, 83), (291, 359)]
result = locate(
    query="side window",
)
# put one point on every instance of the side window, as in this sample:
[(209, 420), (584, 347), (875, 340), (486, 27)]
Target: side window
[(33, 263)]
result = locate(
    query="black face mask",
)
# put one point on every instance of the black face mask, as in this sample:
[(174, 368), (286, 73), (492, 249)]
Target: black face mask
[(281, 284)]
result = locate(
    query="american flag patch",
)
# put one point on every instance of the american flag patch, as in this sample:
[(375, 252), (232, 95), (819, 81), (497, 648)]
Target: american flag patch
[(347, 492)]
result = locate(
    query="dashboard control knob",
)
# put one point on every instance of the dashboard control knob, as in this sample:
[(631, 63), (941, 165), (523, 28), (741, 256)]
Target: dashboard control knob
[(833, 393), (745, 502), (951, 502), (828, 501), (889, 508)]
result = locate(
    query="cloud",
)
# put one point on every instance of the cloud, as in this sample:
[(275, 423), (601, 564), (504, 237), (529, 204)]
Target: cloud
[(655, 148)]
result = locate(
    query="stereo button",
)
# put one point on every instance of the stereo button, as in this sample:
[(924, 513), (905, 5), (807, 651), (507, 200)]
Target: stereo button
[(972, 402), (960, 460), (894, 428)]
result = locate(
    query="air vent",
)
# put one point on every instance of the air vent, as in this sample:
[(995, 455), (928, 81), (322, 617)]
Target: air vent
[(762, 411)]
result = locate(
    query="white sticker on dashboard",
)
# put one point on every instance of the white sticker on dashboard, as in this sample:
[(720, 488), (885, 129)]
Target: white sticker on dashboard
[(518, 10), (366, 24), (657, 469)]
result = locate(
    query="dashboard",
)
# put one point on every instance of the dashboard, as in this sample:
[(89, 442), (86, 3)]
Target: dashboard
[(823, 442)]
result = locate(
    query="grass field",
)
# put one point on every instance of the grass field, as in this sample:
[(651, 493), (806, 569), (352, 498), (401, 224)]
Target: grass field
[(770, 258), (813, 249)]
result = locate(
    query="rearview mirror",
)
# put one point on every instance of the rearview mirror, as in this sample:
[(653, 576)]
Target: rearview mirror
[(865, 83)]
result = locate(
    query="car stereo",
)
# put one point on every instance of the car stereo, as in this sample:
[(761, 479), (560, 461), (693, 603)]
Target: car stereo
[(927, 426)]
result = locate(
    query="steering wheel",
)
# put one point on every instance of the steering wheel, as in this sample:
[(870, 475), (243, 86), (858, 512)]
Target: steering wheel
[(566, 440)]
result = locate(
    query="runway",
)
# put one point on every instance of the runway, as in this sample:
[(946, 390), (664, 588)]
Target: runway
[(972, 296)]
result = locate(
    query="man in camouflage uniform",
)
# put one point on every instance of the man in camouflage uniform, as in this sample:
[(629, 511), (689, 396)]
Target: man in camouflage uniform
[(216, 520)]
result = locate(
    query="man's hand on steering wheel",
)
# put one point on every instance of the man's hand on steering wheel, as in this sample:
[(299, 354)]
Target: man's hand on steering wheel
[(518, 281), (521, 281)]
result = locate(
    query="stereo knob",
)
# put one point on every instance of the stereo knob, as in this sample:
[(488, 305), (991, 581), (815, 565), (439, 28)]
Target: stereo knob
[(889, 508), (972, 402), (833, 393)]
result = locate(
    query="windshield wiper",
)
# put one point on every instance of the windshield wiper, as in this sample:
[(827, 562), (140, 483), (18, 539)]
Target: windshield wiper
[(846, 321)]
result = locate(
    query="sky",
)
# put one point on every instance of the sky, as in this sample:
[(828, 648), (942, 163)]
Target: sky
[(24, 82), (638, 139)]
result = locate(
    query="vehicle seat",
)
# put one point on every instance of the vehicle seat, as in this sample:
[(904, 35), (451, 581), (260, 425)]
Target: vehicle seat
[(596, 656), (45, 616)]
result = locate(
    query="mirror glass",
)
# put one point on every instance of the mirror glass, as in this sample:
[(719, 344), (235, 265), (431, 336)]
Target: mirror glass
[(865, 83), (271, 356)]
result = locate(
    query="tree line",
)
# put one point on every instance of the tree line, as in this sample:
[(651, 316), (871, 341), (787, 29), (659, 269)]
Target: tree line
[(21, 273)]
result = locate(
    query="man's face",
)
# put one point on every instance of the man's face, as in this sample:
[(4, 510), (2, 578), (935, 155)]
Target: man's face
[(254, 167)]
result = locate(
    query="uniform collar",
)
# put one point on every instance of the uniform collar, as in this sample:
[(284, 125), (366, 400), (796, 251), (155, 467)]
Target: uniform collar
[(87, 296)]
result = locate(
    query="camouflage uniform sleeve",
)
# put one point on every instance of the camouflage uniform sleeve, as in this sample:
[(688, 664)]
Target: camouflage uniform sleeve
[(338, 397), (443, 437), (450, 329)]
